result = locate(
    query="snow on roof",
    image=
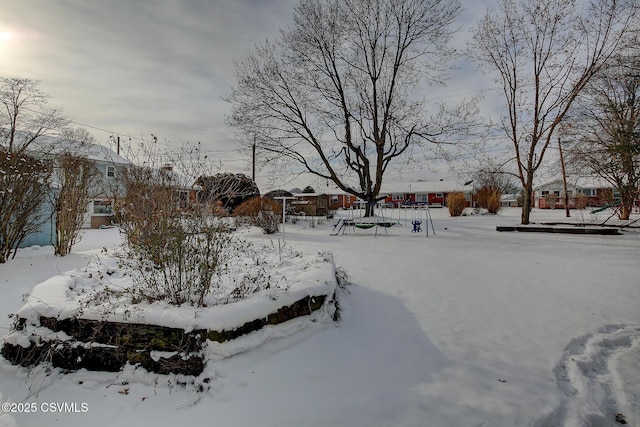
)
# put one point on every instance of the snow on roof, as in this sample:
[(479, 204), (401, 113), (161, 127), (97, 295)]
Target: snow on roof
[(405, 188), (99, 153), (576, 182), (425, 187)]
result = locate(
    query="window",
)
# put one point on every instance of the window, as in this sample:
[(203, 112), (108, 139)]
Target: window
[(439, 195), (111, 171), (587, 191), (334, 199), (422, 198), (102, 207), (397, 197)]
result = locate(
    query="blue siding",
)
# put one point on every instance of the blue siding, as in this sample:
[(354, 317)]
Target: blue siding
[(45, 236)]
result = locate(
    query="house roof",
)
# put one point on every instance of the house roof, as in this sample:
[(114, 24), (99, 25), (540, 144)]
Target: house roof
[(576, 182), (51, 145), (425, 187), (100, 153), (416, 187)]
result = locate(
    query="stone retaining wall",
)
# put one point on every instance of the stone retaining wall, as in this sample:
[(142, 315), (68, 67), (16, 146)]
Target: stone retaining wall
[(109, 346)]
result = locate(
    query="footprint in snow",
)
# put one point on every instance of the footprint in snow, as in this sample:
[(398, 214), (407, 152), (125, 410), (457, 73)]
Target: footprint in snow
[(599, 377)]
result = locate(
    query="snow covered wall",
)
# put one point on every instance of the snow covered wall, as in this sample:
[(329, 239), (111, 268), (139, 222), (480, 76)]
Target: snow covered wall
[(75, 321)]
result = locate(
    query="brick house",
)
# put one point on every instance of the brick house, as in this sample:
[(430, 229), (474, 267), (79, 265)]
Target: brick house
[(433, 193)]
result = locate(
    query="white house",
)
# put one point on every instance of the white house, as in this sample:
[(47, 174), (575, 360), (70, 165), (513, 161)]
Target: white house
[(597, 190), (107, 161)]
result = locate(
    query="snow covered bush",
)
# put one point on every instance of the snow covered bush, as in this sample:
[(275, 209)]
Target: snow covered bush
[(261, 212), (175, 245), (176, 262), (456, 203), (24, 193)]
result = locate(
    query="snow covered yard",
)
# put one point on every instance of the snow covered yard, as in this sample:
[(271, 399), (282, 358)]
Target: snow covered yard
[(468, 327)]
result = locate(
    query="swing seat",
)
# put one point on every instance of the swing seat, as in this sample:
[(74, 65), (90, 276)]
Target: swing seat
[(364, 225)]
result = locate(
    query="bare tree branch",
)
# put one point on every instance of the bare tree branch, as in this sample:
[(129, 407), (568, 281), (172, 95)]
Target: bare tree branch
[(544, 53), (337, 94)]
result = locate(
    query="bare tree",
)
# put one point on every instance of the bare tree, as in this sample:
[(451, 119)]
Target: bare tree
[(25, 117), (494, 175), (544, 53), (25, 114), (230, 190), (76, 179), (339, 93), (608, 128), (24, 192)]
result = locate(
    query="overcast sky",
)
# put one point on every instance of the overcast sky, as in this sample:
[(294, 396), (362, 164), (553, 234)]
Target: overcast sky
[(153, 66)]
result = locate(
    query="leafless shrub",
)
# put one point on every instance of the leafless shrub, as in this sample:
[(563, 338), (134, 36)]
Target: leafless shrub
[(75, 177), (489, 198), (456, 203), (25, 118), (260, 212), (175, 242), (550, 200), (581, 201), (24, 191)]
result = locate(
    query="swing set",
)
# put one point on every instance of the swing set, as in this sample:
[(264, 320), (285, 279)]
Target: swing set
[(416, 220), (352, 222), (362, 222)]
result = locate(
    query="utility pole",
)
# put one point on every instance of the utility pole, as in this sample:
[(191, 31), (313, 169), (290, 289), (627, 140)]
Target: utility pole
[(564, 181), (253, 155)]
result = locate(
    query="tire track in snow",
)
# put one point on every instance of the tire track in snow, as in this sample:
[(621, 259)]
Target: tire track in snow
[(599, 375)]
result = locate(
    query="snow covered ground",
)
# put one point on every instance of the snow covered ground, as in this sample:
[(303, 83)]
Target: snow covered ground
[(468, 327)]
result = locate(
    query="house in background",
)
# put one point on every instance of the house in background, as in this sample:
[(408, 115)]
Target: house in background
[(107, 162), (338, 199), (509, 200), (320, 203), (433, 193), (310, 204), (400, 194), (598, 192), (100, 207)]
